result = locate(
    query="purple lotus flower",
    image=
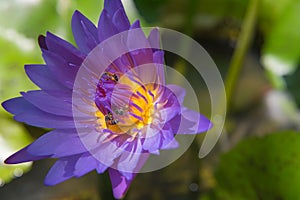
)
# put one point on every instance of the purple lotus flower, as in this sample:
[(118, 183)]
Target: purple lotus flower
[(106, 114)]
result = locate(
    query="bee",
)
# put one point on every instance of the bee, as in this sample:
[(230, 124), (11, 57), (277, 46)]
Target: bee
[(121, 111), (108, 116), (113, 122), (111, 76), (109, 119)]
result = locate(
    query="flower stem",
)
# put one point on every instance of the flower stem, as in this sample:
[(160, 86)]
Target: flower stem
[(105, 190), (243, 43)]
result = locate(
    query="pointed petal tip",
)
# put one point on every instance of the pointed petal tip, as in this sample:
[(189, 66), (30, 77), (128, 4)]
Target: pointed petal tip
[(136, 24), (61, 171), (119, 183), (85, 32), (12, 105), (154, 38), (4, 104), (22, 156), (48, 182), (120, 20), (210, 125), (77, 15), (204, 124), (10, 160), (77, 12), (193, 122), (42, 42), (112, 5), (18, 157)]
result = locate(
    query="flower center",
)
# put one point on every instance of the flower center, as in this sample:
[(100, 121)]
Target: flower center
[(131, 116), (132, 106), (141, 107)]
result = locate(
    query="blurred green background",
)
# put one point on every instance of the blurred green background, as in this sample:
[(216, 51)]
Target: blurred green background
[(256, 46)]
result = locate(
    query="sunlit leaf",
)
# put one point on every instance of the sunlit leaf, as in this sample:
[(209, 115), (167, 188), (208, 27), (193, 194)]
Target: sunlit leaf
[(261, 168), (270, 13), (31, 19), (91, 9), (12, 138), (12, 75), (280, 54)]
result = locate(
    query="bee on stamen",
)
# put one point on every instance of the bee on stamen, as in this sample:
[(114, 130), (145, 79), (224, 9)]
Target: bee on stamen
[(113, 122), (109, 119), (111, 76)]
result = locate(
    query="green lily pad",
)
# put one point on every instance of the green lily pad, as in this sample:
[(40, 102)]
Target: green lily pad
[(261, 168)]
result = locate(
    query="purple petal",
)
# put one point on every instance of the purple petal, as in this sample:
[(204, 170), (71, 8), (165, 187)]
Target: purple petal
[(44, 120), (61, 94), (171, 108), (178, 91), (16, 105), (42, 77), (23, 156), (154, 39), (137, 42), (132, 159), (112, 6), (85, 164), (168, 141), (120, 20), (48, 103), (101, 168), (142, 56), (101, 152), (64, 49), (106, 28), (119, 183), (42, 42), (135, 24), (85, 33), (59, 68), (124, 63), (57, 143), (152, 143), (193, 122), (62, 170), (68, 167), (158, 57), (29, 114)]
